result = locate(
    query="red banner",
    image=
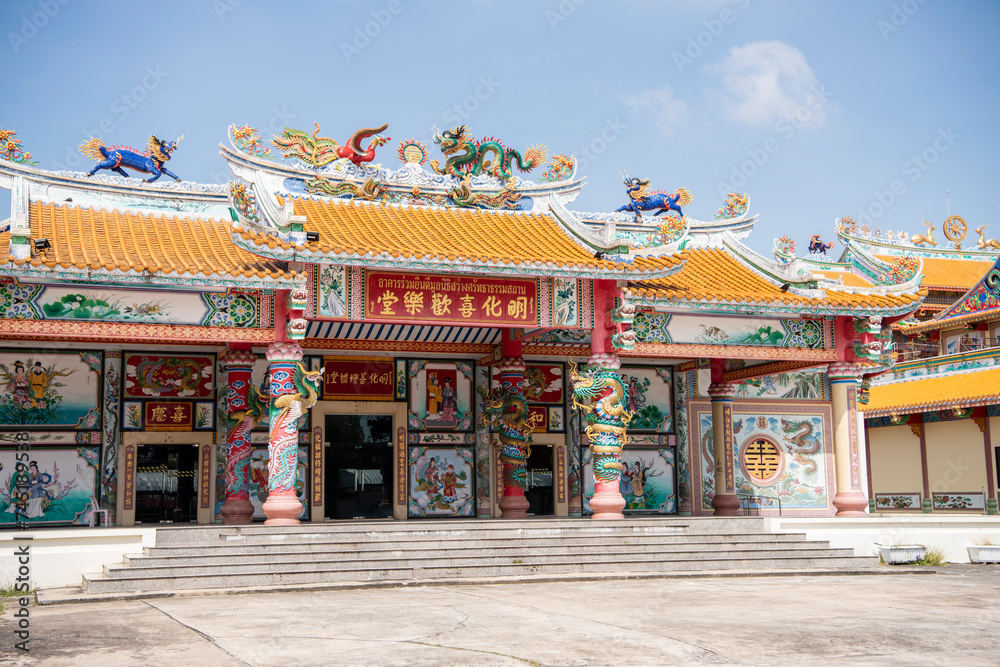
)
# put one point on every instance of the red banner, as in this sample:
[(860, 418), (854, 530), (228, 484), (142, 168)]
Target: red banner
[(353, 379), (451, 299), (129, 474), (169, 416)]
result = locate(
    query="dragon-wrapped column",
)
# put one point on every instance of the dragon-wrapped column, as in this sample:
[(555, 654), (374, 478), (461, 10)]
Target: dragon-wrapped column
[(293, 390), (244, 410), (507, 410), (599, 392)]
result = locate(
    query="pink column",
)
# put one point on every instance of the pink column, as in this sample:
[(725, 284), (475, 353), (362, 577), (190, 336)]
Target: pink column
[(282, 506), (606, 434), (242, 414), (850, 499), (725, 502)]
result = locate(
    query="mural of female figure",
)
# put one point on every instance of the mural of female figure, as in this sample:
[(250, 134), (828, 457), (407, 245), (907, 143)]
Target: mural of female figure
[(625, 480), (431, 476), (449, 401), (36, 491), (18, 385), (433, 396)]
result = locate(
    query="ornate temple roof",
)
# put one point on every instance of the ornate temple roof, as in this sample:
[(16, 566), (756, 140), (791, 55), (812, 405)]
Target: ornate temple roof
[(920, 394), (717, 277), (135, 247), (981, 302), (437, 238), (949, 274)]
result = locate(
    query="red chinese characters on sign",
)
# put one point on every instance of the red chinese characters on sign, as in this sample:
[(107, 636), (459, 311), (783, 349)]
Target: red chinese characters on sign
[(452, 299), (354, 379), (169, 416)]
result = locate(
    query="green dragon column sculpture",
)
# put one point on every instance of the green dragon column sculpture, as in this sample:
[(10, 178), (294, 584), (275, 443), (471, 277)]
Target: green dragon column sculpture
[(600, 387), (507, 410)]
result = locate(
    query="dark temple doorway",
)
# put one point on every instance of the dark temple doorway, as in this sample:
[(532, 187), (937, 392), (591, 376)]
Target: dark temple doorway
[(359, 466), (539, 491), (165, 484)]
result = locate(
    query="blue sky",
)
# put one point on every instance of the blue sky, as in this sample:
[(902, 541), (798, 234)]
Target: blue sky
[(815, 109)]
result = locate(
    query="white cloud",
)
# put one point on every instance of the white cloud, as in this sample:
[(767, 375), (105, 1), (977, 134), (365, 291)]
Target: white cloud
[(667, 112), (766, 81)]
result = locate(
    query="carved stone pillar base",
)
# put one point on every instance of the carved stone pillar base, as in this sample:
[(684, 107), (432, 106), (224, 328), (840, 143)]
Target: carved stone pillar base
[(850, 503), (282, 509), (513, 507), (236, 511), (607, 502), (726, 505)]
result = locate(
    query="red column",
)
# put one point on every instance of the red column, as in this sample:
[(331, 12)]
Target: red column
[(725, 502), (242, 414)]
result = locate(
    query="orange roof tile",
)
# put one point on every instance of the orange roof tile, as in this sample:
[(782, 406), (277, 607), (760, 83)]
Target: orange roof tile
[(713, 274), (466, 236), (949, 274), (932, 393), (85, 238), (848, 278)]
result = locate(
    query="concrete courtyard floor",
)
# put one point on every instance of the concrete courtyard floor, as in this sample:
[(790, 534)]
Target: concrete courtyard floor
[(948, 618)]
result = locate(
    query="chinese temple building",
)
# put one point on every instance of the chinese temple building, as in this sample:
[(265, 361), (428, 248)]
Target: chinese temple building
[(326, 338), (933, 417)]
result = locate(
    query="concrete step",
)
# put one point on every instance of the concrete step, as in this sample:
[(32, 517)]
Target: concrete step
[(101, 584), (368, 528), (327, 542), (160, 557), (137, 569)]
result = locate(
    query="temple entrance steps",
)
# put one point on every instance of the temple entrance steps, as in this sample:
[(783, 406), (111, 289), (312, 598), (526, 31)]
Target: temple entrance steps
[(213, 557)]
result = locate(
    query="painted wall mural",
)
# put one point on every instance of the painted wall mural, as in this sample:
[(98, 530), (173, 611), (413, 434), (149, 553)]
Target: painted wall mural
[(721, 330), (441, 482), (50, 389), (331, 291), (782, 451), (809, 384), (648, 394), (565, 306), (646, 482), (155, 376), (219, 309), (440, 395), (61, 483)]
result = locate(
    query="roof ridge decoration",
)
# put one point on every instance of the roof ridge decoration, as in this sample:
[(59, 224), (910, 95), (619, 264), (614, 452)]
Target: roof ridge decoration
[(889, 242), (314, 166), (10, 148), (979, 302)]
